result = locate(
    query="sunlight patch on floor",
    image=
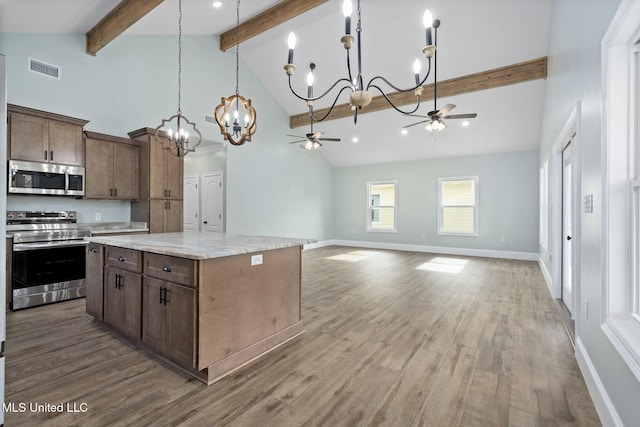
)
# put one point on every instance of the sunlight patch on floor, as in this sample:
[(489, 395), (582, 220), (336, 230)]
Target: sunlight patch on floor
[(444, 265), (353, 256)]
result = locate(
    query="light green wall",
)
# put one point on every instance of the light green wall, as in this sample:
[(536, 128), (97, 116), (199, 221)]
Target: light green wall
[(574, 74), (508, 201), (272, 188)]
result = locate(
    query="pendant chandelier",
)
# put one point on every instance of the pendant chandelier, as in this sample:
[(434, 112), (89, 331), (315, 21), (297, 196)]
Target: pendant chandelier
[(236, 110), (361, 95), (177, 139)]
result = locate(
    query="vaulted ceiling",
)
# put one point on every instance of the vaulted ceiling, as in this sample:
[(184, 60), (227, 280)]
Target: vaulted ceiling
[(507, 38)]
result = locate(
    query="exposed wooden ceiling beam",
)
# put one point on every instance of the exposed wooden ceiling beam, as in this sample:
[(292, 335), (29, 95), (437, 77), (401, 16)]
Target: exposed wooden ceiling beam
[(272, 17), (124, 15), (503, 76)]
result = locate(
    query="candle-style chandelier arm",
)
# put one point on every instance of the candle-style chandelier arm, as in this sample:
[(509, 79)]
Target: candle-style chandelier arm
[(393, 105), (335, 101), (370, 84), (325, 93)]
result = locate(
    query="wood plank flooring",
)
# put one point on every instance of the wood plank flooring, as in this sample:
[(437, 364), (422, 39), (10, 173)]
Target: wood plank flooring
[(386, 344)]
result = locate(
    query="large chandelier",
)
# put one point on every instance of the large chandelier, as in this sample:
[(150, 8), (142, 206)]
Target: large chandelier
[(236, 107), (361, 95), (176, 137)]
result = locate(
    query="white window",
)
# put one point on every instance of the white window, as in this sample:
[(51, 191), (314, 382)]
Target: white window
[(382, 198), (458, 206), (621, 186), (544, 204)]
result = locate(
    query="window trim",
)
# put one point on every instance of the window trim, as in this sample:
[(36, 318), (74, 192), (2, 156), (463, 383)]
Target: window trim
[(369, 229), (475, 207), (620, 167)]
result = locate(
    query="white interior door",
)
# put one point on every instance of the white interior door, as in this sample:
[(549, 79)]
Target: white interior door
[(567, 228), (191, 203), (212, 202)]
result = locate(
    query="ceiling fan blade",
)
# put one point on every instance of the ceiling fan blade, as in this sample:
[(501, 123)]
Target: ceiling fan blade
[(329, 139), (444, 110), (317, 135), (414, 124), (300, 140), (417, 115), (296, 136), (461, 116)]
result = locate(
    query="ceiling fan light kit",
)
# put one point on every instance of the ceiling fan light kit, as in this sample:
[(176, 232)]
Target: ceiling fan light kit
[(233, 131), (177, 141), (361, 94)]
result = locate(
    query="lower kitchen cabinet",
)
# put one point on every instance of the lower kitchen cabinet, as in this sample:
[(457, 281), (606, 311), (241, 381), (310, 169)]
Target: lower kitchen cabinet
[(94, 280), (169, 320), (122, 301)]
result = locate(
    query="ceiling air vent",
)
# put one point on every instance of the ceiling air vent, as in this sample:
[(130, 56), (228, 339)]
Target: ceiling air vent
[(44, 68)]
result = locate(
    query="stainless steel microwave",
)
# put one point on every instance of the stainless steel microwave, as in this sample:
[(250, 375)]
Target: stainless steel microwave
[(45, 178)]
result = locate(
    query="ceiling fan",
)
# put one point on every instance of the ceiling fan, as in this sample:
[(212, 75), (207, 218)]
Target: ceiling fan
[(434, 118), (312, 139)]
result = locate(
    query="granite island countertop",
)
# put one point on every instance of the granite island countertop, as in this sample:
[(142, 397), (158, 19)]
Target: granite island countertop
[(199, 245), (97, 228)]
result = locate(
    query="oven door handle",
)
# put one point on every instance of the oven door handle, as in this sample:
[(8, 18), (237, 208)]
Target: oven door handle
[(17, 247)]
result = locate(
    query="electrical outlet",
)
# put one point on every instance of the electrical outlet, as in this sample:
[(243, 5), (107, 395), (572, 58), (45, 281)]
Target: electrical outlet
[(98, 216), (256, 260)]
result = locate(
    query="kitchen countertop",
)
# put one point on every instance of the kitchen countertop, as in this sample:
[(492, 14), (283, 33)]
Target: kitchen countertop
[(113, 227), (199, 245)]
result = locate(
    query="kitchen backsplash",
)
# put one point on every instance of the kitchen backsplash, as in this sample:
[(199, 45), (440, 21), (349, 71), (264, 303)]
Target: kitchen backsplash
[(88, 210)]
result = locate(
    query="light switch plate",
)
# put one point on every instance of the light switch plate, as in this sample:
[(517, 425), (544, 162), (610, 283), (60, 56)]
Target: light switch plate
[(588, 203), (256, 260)]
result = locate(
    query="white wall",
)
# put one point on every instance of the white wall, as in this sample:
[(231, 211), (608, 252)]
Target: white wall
[(507, 207), (574, 75)]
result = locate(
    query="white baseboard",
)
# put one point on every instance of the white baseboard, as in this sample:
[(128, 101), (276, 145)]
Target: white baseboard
[(606, 411), (526, 256), (546, 275)]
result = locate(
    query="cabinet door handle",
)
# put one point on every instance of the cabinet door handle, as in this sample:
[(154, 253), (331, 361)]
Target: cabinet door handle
[(45, 154), (115, 192), (163, 296), (121, 259), (94, 250), (169, 193), (51, 156), (166, 269), (117, 281)]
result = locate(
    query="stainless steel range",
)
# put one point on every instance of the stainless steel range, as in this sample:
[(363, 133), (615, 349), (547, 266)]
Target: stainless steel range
[(48, 257)]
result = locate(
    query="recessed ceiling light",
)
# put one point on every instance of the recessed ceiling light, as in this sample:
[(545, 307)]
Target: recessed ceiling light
[(217, 4), (355, 140), (465, 123), (404, 131)]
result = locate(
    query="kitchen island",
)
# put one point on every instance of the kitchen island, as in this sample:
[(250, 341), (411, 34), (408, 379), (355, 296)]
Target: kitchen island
[(208, 303)]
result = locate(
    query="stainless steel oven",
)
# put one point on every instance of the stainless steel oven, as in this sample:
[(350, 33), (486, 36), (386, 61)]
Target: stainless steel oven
[(45, 178), (48, 262)]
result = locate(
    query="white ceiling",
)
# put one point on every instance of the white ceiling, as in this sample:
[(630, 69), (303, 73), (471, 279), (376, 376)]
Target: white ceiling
[(474, 36)]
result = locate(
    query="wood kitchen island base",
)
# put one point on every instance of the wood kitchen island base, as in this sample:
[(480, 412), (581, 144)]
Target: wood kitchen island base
[(209, 303)]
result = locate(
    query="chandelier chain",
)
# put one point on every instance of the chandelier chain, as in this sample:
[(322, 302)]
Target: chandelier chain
[(179, 54), (237, 47)]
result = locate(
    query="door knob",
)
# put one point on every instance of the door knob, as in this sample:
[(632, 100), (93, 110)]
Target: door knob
[(568, 237)]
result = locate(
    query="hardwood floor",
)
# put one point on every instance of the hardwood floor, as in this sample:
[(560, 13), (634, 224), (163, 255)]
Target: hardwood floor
[(392, 339)]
